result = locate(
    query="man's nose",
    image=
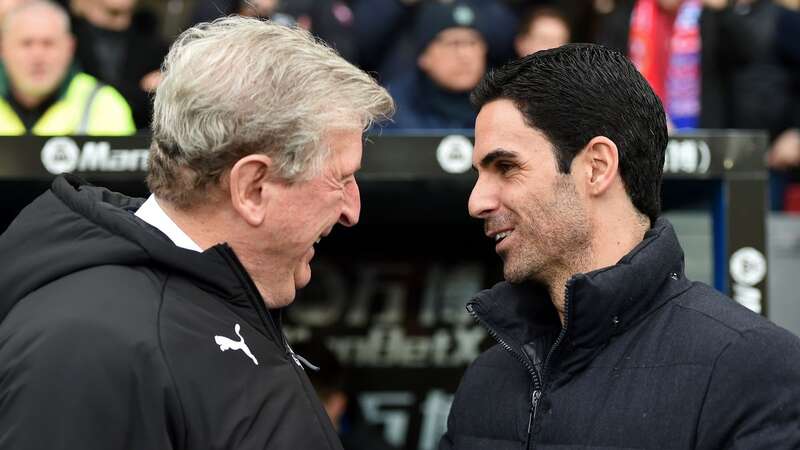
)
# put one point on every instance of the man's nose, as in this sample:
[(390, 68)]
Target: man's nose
[(352, 205), (482, 199)]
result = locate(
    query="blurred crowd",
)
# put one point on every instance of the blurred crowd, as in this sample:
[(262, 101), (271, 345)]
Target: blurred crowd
[(90, 66)]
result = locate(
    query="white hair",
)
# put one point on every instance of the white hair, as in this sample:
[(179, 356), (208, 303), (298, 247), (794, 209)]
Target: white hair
[(239, 86)]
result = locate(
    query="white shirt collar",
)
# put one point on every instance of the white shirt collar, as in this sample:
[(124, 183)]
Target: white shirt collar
[(152, 213)]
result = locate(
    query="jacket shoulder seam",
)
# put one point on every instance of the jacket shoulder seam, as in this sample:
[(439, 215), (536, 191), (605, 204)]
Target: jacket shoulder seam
[(738, 331)]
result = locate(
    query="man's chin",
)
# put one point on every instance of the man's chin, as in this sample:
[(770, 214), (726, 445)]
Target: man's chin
[(513, 274), (302, 277)]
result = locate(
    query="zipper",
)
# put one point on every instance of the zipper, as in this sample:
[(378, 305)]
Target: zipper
[(562, 334), (300, 360), (537, 381), (535, 396)]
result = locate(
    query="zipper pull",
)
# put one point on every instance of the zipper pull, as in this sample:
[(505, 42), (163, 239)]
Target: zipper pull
[(535, 402), (532, 415), (299, 360)]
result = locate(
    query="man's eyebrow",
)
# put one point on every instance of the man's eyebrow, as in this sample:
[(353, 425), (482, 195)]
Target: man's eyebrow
[(496, 154)]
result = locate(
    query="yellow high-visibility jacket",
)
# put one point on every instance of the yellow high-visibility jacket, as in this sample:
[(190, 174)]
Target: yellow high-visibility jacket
[(86, 107)]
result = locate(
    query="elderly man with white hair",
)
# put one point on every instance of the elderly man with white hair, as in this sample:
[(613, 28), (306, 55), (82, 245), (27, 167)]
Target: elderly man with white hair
[(131, 324)]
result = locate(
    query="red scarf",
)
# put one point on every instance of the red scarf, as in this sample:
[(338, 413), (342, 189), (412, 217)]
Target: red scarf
[(665, 47)]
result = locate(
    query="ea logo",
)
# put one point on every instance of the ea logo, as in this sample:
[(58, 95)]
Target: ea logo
[(455, 154), (748, 266), (60, 155)]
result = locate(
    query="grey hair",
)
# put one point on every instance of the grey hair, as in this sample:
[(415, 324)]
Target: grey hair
[(9, 17), (238, 86)]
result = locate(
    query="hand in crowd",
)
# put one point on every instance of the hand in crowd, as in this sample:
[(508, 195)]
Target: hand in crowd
[(150, 81), (785, 151)]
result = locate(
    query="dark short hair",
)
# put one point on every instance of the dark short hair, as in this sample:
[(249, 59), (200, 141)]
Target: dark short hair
[(578, 91)]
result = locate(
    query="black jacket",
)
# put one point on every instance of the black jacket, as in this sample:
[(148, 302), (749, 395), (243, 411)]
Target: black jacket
[(647, 359), (111, 337), (122, 58)]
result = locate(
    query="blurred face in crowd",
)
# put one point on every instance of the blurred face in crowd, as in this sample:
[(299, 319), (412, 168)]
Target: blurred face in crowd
[(456, 59), (544, 32), (37, 50), (670, 5), (303, 212), (114, 15), (258, 8)]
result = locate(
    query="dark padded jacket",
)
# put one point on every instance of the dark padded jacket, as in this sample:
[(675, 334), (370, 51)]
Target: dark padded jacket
[(111, 337), (646, 360)]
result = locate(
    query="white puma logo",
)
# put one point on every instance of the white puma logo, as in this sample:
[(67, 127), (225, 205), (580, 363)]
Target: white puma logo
[(229, 344)]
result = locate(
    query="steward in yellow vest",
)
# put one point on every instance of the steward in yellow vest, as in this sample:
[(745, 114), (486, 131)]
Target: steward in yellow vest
[(40, 90), (82, 105)]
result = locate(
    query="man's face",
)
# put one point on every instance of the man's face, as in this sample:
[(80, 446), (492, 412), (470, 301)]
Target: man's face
[(258, 8), (535, 214), (544, 33), (304, 212), (114, 15), (455, 60), (670, 5), (37, 50)]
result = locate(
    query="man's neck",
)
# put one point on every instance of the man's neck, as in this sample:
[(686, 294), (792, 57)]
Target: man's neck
[(197, 225), (211, 224), (613, 238)]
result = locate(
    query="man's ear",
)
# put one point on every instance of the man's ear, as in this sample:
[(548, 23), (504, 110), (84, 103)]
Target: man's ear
[(600, 163), (249, 187)]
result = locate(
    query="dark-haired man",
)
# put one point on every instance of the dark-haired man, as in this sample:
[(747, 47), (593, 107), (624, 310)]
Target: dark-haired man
[(602, 341)]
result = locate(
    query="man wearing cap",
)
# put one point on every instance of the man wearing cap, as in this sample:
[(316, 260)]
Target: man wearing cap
[(451, 59)]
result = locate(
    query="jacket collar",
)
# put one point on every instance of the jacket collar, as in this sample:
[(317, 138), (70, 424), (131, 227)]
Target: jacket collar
[(599, 304), (75, 226)]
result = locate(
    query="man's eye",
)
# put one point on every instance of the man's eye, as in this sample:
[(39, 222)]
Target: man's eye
[(504, 167)]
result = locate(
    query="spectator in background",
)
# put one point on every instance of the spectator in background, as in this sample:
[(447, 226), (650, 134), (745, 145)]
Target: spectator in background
[(43, 93), (122, 47), (541, 28), (712, 62), (386, 34), (451, 61), (5, 7), (330, 20), (208, 11), (784, 156)]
